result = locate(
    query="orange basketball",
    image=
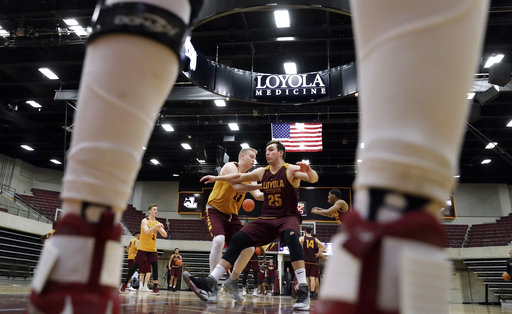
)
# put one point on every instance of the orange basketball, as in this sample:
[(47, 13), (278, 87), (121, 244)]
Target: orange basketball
[(178, 262), (248, 205), (257, 251), (506, 276)]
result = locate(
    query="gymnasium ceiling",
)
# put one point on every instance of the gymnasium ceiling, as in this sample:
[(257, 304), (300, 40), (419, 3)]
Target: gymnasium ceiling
[(36, 36)]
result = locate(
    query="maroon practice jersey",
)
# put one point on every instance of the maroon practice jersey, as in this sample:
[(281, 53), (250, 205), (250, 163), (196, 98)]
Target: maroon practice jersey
[(310, 247), (280, 196)]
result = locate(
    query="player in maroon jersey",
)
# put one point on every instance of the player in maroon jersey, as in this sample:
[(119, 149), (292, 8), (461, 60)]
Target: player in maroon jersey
[(338, 209), (313, 248)]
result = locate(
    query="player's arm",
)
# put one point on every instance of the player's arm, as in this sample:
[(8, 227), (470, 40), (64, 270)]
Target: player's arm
[(161, 230), (303, 171), (128, 247), (257, 194), (235, 178), (170, 261), (244, 187), (330, 212), (147, 229), (301, 240), (321, 248)]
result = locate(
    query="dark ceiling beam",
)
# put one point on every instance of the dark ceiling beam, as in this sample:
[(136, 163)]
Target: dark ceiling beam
[(265, 31), (32, 83), (34, 64)]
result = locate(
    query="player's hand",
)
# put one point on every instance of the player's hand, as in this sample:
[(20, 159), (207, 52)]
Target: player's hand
[(208, 179), (315, 210), (159, 226), (304, 167)]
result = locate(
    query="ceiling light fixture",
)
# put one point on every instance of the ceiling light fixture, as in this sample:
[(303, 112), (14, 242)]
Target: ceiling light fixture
[(55, 161), (201, 161), (282, 18), (285, 38), (154, 161), (509, 124), (70, 22), (492, 60), (290, 68), (491, 145), (233, 126), (167, 127), (244, 145), (33, 103), (220, 102), (186, 146), (486, 161), (27, 147), (48, 73)]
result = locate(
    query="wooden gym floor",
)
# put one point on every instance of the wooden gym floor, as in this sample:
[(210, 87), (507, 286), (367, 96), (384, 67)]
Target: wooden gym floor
[(13, 299)]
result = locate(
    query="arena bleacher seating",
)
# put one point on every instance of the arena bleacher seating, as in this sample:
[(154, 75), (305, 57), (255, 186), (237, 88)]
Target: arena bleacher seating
[(455, 234), (490, 234), (19, 253), (43, 201), (188, 229)]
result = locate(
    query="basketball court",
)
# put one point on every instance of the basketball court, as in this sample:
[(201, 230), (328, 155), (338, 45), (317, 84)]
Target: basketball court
[(13, 299)]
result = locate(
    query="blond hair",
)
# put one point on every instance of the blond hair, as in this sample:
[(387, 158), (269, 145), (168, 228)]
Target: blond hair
[(245, 150)]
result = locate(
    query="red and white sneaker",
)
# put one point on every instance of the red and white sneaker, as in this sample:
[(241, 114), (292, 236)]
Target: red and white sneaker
[(155, 289), (387, 268), (80, 268)]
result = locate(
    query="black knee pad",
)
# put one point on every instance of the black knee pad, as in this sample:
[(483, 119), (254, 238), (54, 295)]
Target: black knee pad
[(291, 239), (142, 19), (131, 272), (239, 241), (154, 267)]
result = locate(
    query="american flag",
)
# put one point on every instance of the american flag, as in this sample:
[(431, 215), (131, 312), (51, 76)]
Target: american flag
[(299, 137)]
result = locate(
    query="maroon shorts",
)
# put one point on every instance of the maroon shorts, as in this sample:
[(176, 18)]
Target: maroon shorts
[(175, 271), (219, 223), (144, 260), (252, 264), (130, 264), (312, 270), (264, 230), (261, 276)]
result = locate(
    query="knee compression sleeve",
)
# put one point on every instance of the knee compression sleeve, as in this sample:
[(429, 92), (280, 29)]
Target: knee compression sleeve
[(239, 241), (291, 239), (216, 252), (154, 267), (152, 19), (411, 142)]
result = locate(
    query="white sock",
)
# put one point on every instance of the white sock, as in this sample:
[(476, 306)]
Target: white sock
[(301, 276), (415, 65), (125, 80), (216, 251), (218, 272)]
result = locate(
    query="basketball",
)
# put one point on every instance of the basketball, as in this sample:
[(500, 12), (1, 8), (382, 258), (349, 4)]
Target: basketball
[(178, 262), (248, 205), (257, 251), (506, 276)]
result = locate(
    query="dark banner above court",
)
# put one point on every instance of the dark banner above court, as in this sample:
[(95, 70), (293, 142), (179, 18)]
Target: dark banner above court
[(244, 85), (280, 87)]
